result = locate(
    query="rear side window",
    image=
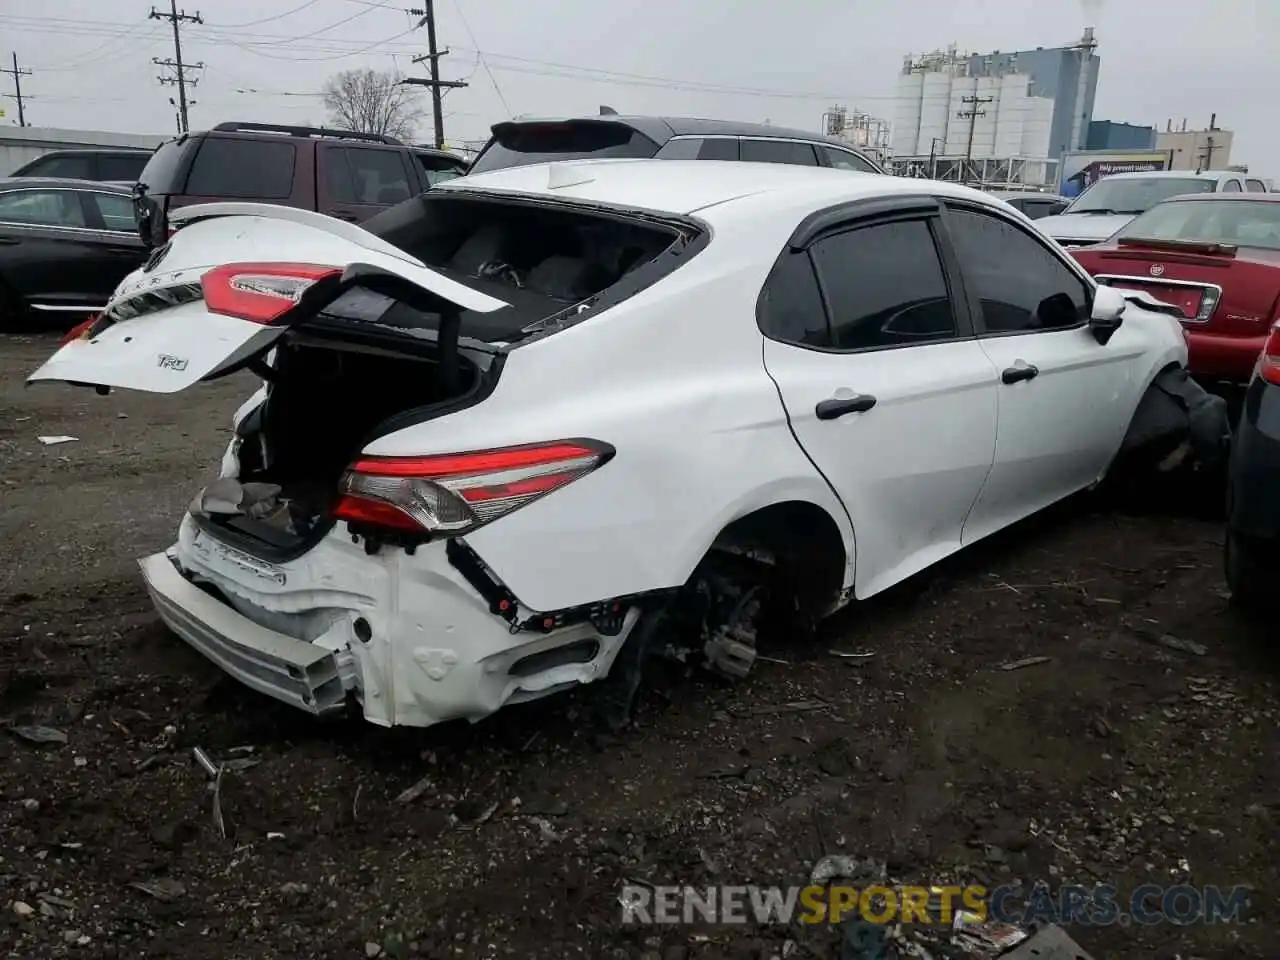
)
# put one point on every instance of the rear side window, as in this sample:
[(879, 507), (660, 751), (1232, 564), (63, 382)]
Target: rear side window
[(778, 151), (1231, 186), (73, 168), (251, 169), (1256, 186), (522, 144), (121, 166), (685, 148), (844, 160), (790, 307), (116, 211), (700, 148), (379, 176), (885, 286)]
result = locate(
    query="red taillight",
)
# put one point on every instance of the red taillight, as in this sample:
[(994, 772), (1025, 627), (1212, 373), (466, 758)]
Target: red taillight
[(1269, 362), (453, 493), (79, 330), (260, 292)]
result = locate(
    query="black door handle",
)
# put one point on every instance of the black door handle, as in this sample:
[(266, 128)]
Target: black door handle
[(9, 241), (1018, 374), (838, 406)]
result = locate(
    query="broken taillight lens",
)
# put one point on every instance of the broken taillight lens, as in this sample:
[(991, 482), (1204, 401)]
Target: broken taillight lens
[(453, 493), (260, 292), (1269, 362), (79, 330)]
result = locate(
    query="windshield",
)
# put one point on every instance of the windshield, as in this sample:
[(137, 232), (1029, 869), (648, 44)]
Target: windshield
[(516, 145), (1248, 223), (1136, 194)]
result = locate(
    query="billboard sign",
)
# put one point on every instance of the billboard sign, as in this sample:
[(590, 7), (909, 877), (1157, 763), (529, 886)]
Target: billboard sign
[(1085, 168)]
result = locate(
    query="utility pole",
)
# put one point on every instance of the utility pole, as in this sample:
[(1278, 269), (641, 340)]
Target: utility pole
[(1208, 143), (17, 87), (972, 115), (428, 15), (179, 79)]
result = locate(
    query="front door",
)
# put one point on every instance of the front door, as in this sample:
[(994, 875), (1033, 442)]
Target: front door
[(1064, 398), (888, 395)]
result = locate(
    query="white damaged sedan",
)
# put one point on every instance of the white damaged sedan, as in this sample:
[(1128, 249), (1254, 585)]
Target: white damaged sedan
[(521, 431)]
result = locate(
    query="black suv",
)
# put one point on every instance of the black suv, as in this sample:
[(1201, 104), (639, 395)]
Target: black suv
[(347, 175), (114, 165), (518, 142)]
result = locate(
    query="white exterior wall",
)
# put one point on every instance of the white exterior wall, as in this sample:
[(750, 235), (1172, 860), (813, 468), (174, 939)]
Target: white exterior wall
[(934, 106), (1037, 127), (18, 145), (957, 126), (906, 113), (1011, 114), (984, 127)]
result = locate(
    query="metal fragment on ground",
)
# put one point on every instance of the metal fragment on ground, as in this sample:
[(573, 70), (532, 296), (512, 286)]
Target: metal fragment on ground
[(1025, 662), (39, 734)]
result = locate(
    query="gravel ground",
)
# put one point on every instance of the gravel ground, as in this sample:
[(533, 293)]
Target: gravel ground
[(1137, 762)]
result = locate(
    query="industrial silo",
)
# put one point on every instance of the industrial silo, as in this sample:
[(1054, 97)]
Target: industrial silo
[(957, 125), (906, 114), (935, 100)]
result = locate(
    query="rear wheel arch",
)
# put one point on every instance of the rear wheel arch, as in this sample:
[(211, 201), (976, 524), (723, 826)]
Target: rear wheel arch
[(801, 540)]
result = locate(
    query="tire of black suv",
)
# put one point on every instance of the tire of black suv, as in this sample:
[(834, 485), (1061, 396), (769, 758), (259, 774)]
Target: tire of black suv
[(1246, 576)]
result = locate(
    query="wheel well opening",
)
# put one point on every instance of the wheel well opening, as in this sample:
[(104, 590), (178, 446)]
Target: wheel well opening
[(801, 541)]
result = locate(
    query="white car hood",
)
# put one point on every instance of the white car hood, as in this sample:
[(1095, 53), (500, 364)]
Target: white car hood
[(1094, 227), (169, 349)]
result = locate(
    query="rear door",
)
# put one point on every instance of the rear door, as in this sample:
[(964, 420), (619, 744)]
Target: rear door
[(358, 182), (884, 385), (795, 152), (54, 253), (220, 295), (1064, 399)]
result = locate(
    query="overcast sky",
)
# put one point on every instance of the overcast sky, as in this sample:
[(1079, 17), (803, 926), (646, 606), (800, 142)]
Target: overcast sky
[(744, 59)]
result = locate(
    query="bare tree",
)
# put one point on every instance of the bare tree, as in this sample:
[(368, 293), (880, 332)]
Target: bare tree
[(372, 101)]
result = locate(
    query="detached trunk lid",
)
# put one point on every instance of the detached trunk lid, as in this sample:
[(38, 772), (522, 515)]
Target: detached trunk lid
[(160, 333), (1220, 287)]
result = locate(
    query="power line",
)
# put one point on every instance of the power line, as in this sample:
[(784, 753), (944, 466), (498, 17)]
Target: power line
[(179, 78), (428, 15), (17, 74), (484, 62)]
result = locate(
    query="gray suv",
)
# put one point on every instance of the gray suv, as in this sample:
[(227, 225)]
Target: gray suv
[(518, 142)]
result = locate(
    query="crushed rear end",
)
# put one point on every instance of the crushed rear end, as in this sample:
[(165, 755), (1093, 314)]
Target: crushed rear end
[(309, 570)]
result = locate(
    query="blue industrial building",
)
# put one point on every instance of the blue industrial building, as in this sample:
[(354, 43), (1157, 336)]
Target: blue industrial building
[(1067, 75)]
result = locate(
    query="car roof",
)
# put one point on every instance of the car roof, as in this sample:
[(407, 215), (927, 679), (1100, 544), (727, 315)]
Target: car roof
[(688, 186), (64, 183), (662, 129), (82, 151)]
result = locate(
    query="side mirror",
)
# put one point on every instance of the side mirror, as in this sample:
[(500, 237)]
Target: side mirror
[(152, 229), (1107, 314)]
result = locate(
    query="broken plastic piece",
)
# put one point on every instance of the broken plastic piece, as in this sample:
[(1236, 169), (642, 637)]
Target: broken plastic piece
[(50, 441), (729, 657)]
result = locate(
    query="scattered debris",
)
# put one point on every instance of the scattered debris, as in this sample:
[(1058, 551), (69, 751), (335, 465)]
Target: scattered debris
[(412, 793), (1025, 662), (217, 805), (23, 909), (843, 867), (798, 706), (50, 441), (205, 761), (1182, 646), (37, 734), (165, 889), (853, 654)]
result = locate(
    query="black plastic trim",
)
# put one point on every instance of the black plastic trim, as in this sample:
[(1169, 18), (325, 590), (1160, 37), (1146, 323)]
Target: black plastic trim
[(847, 216)]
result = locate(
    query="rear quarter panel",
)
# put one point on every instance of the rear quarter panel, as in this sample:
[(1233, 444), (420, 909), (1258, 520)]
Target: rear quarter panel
[(674, 379)]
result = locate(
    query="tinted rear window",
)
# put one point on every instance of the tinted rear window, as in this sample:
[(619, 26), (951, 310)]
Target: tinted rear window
[(543, 142), (71, 167), (118, 166), (250, 169), (160, 174)]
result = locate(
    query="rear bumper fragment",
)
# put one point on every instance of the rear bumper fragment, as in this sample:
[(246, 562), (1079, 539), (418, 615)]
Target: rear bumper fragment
[(300, 674)]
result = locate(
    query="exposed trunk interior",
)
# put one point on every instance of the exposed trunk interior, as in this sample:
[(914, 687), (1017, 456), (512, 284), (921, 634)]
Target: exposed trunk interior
[(327, 399)]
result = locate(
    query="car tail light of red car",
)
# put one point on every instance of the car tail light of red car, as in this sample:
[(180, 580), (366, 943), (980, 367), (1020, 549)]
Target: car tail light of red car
[(79, 330), (453, 493), (1269, 362)]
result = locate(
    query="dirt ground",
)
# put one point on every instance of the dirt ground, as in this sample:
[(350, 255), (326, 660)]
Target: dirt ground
[(1136, 762)]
